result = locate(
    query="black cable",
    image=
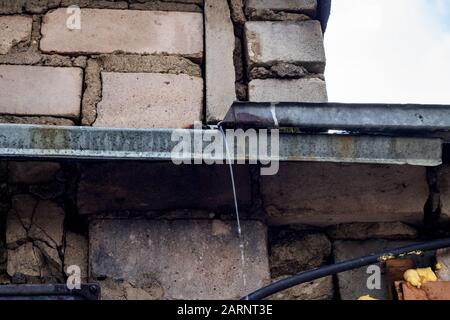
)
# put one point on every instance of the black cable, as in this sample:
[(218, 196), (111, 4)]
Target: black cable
[(345, 266)]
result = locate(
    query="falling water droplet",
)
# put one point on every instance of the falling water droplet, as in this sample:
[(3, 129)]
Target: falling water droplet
[(238, 220)]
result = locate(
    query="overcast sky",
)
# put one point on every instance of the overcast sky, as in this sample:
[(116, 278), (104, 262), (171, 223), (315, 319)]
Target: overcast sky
[(389, 51)]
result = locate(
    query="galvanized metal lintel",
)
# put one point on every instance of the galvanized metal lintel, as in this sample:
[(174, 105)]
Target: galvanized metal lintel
[(430, 120), (31, 141)]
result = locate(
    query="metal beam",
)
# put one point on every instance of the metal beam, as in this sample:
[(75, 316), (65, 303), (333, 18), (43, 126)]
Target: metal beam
[(368, 118), (31, 141)]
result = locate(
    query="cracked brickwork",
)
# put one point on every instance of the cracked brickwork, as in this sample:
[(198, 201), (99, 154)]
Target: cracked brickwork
[(57, 214)]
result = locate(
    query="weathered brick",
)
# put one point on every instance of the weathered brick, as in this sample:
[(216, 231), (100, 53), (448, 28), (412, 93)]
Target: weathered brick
[(11, 7), (13, 30), (237, 12), (29, 6), (130, 31), (220, 73), (48, 91), (327, 194), (303, 6), (434, 291), (48, 121), (270, 15), (149, 100), (26, 260), (193, 259), (97, 4), (165, 6), (293, 42), (277, 90), (135, 186)]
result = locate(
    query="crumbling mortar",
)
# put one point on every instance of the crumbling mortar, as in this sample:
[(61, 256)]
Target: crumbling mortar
[(193, 58), (36, 34), (100, 97), (283, 70), (86, 119), (83, 89), (238, 17), (22, 7), (310, 68), (239, 57), (36, 115)]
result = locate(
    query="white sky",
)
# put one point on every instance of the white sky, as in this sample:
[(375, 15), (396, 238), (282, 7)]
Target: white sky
[(389, 51)]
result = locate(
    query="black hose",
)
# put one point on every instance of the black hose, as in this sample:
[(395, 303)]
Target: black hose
[(345, 266)]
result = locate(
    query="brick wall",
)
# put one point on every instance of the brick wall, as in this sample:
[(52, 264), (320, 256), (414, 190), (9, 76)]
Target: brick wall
[(111, 218), (168, 63), (148, 63), (132, 64)]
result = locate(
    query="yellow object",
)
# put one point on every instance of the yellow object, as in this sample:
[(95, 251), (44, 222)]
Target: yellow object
[(427, 275), (412, 277), (438, 266), (417, 277), (366, 298)]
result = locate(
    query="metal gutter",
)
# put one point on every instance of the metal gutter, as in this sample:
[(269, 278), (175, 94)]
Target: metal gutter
[(44, 142), (323, 12), (368, 118)]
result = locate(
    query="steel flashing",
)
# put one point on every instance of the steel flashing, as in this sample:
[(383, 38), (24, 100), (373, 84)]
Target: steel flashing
[(35, 141)]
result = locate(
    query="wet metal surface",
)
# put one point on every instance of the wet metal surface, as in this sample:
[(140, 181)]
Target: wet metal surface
[(30, 141)]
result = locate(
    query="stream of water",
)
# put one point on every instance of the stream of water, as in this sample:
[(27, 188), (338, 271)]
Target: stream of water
[(238, 220)]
